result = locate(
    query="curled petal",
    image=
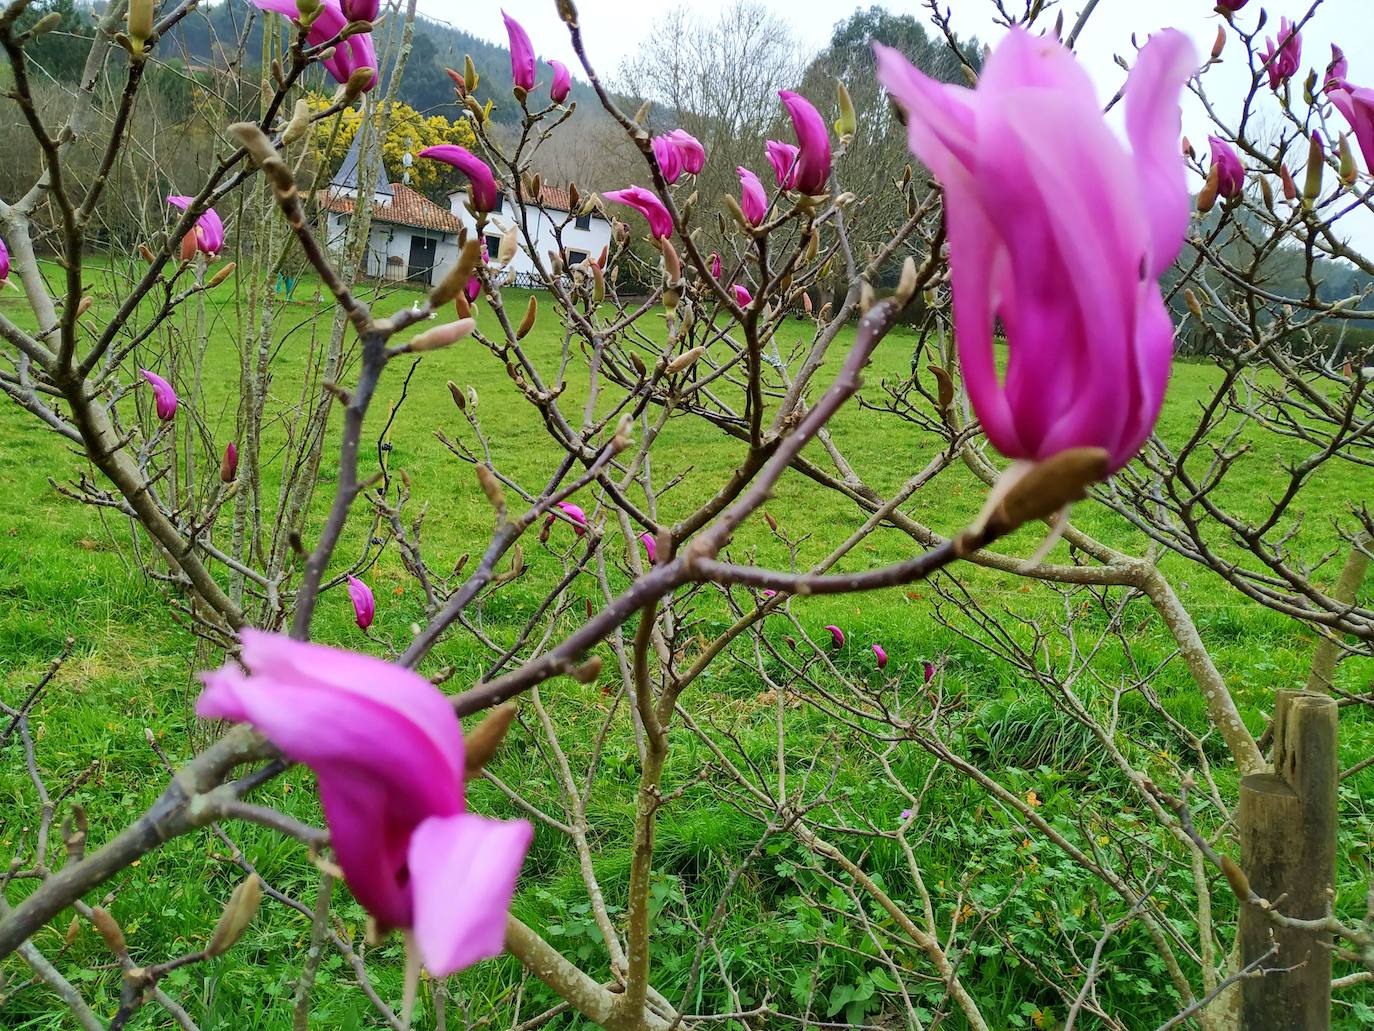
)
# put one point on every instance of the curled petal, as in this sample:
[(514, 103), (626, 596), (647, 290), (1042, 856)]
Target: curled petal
[(753, 200), (575, 513), (783, 158), (813, 143), (479, 175), (646, 202), (463, 869), (650, 546), (668, 158)]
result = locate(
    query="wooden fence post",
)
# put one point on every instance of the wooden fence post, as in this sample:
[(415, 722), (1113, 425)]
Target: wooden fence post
[(1287, 822)]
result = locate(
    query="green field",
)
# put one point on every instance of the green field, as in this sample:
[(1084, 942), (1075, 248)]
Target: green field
[(67, 570)]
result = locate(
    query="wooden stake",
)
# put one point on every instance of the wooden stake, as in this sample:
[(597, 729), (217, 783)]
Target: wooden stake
[(1287, 822)]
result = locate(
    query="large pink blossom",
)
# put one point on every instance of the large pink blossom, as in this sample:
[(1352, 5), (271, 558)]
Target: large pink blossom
[(677, 152), (1284, 58), (388, 752), (1059, 231), (353, 53), (813, 144), (209, 228), (479, 175), (522, 66), (646, 202), (1230, 172), (1356, 103)]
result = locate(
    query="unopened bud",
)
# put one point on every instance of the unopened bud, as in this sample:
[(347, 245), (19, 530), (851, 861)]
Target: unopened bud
[(491, 487), (455, 280), (672, 264), (229, 464), (1316, 164), (219, 277), (140, 27), (145, 252), (1187, 147), (1219, 44), (357, 82), (567, 10), (188, 246), (482, 741), (238, 914), (1290, 188), (639, 365), (442, 336), (458, 398), (1207, 196), (685, 360), (1266, 193), (848, 122), (73, 928), (527, 323), (1348, 171), (588, 671), (470, 76), (510, 239), (1049, 486), (944, 386), (1194, 305), (83, 305), (109, 930), (300, 122), (46, 24)]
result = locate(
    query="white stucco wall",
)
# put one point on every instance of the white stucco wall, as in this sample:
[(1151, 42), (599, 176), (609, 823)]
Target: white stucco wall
[(542, 227), (387, 239)]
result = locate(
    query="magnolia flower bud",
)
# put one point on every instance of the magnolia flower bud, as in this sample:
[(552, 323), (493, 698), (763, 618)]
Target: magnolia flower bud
[(238, 914), (140, 27), (848, 122), (527, 323), (1348, 171), (470, 76), (1290, 188), (1316, 164), (1220, 43), (457, 395), (300, 122), (442, 336), (509, 241), (229, 464)]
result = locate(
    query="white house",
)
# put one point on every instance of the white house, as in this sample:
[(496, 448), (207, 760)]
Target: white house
[(583, 235), (416, 240)]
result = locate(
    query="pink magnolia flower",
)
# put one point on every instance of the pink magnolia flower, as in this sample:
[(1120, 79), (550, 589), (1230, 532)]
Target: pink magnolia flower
[(752, 200), (4, 262), (521, 54), (575, 513), (650, 546), (906, 813), (677, 152), (880, 654), (364, 605), (1338, 68), (646, 202), (1289, 54), (742, 295), (1231, 6), (783, 158), (353, 53), (561, 85), (388, 752), (361, 10), (164, 397), (1356, 103), (229, 464), (1059, 231), (209, 228), (813, 144), (715, 265), (927, 672), (483, 183), (836, 636), (1230, 172), (668, 157), (472, 289)]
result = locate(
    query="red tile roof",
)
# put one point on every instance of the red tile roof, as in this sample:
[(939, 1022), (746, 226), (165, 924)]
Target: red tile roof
[(407, 208), (551, 198)]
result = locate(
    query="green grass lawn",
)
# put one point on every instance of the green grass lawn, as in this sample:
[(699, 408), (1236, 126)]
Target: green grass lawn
[(67, 570)]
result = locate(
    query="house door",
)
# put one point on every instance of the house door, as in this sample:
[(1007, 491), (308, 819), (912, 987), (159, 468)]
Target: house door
[(422, 254)]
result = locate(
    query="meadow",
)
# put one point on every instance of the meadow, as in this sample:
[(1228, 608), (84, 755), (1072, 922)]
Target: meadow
[(67, 571)]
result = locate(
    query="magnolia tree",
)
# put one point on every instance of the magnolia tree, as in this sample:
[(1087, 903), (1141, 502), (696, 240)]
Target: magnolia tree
[(1027, 220)]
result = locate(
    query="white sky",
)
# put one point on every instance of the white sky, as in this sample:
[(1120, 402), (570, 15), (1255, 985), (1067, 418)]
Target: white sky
[(614, 28)]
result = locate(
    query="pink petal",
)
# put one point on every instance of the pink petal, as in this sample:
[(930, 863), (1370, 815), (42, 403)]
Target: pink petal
[(463, 870)]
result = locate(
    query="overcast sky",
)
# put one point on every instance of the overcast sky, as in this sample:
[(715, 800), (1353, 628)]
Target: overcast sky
[(614, 29)]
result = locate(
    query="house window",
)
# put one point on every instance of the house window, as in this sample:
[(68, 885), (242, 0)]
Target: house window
[(500, 202), (493, 246), (584, 221), (576, 257)]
